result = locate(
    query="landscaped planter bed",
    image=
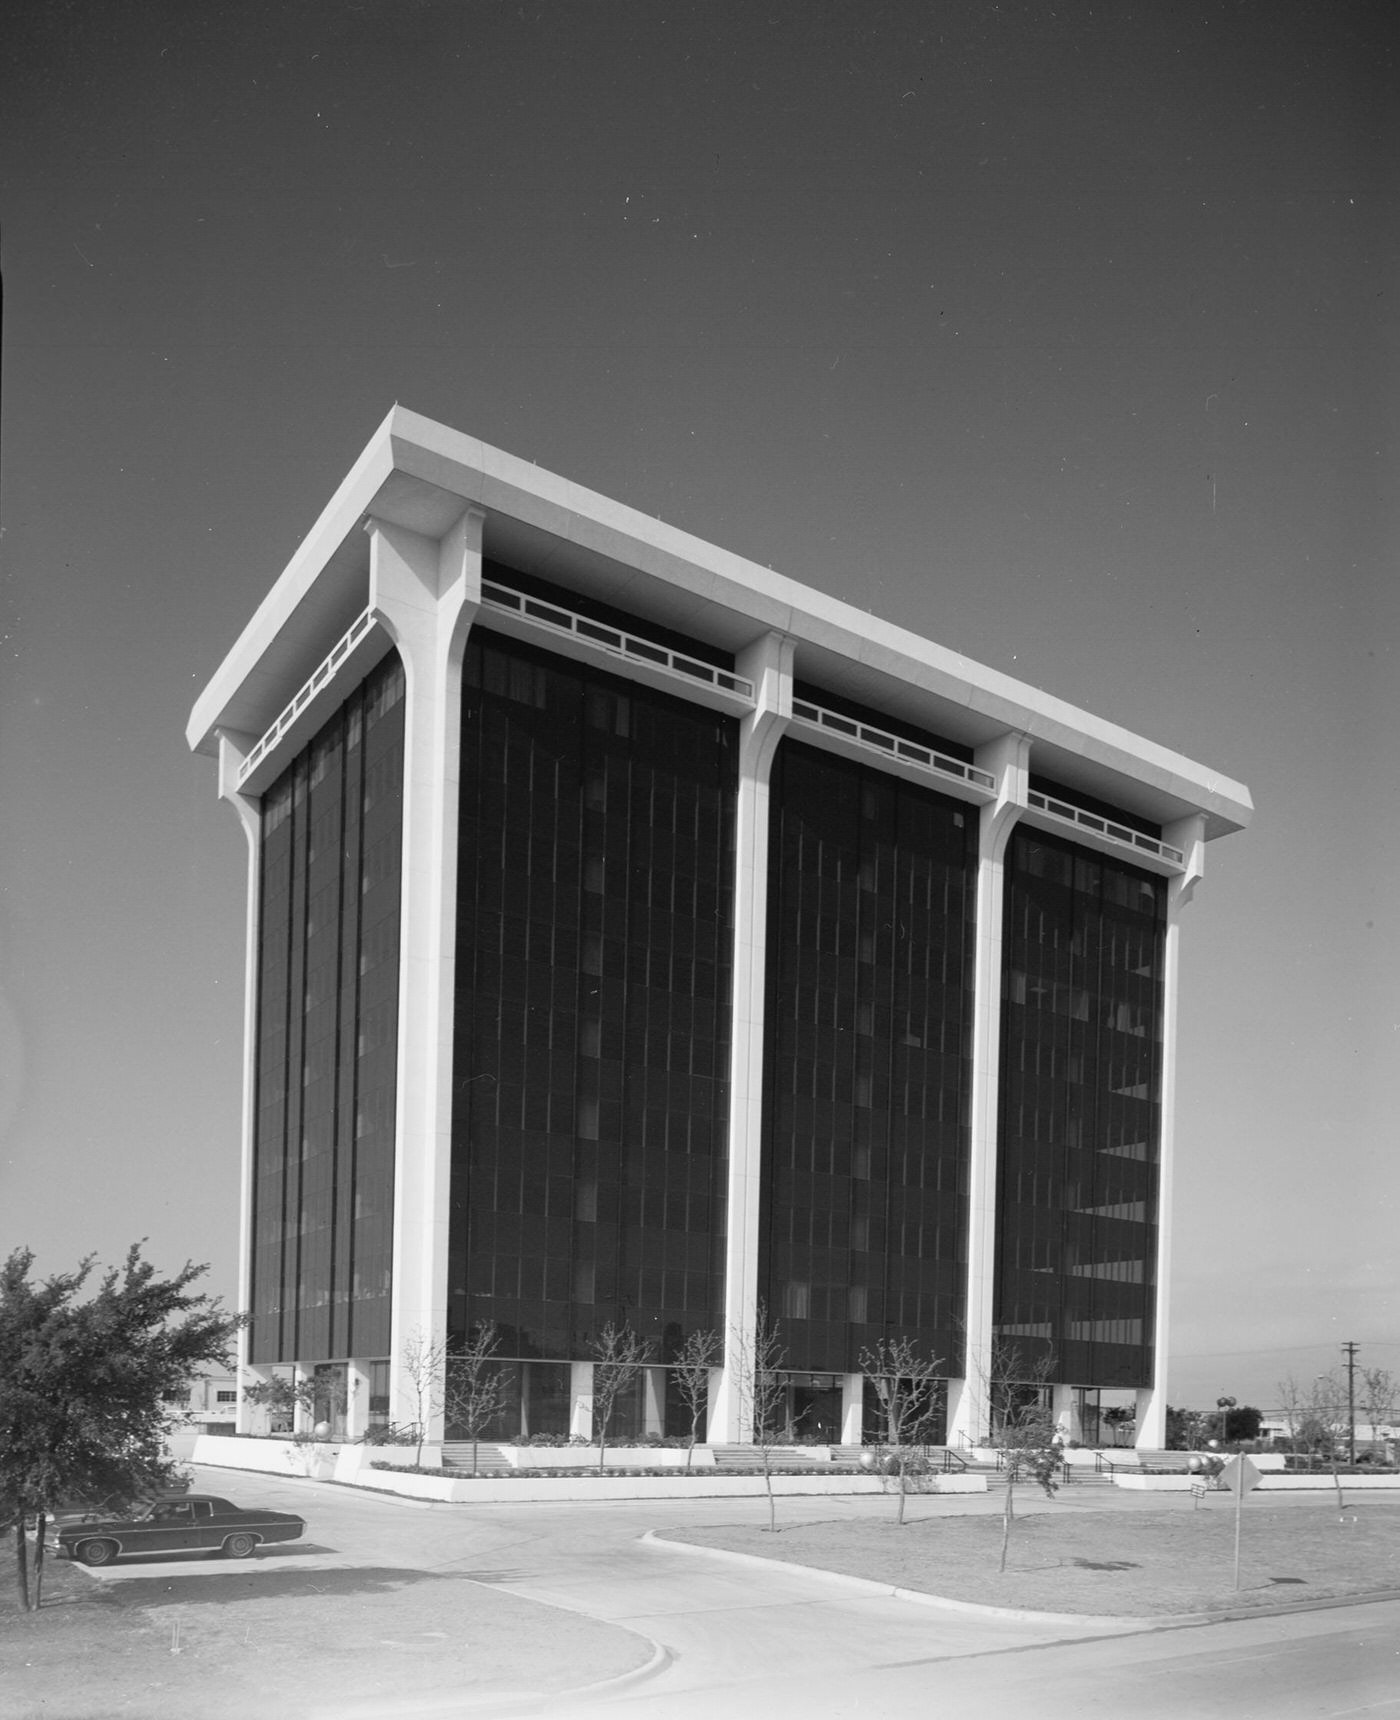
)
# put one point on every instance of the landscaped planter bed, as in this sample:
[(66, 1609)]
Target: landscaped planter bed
[(699, 1484), (653, 1476)]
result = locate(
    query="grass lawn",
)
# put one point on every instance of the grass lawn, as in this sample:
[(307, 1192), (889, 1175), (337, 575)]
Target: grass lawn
[(1119, 1563)]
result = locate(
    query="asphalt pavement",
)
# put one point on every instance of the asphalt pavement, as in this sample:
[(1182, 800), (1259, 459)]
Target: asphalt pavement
[(700, 1633)]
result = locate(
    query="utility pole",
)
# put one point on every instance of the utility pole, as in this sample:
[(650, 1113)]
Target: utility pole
[(1350, 1350)]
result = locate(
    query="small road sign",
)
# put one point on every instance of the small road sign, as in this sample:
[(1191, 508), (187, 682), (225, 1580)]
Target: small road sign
[(1240, 1475)]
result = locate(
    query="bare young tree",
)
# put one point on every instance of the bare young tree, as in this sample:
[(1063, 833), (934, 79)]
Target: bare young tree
[(762, 1392), (1379, 1390), (1023, 1425), (425, 1368), (1015, 1382), (619, 1355), (1329, 1425), (1028, 1453), (475, 1391), (698, 1354), (906, 1385), (1293, 1405)]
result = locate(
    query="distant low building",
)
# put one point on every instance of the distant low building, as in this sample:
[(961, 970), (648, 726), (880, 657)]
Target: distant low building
[(210, 1406), (1380, 1437)]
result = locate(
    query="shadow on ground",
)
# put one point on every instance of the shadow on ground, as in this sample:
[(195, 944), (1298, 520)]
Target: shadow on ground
[(244, 1584)]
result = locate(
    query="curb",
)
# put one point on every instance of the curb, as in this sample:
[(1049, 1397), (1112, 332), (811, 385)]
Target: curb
[(437, 1706), (1118, 1622), (868, 1586)]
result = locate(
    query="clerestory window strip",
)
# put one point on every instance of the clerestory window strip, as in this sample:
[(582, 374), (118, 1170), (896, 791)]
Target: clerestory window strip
[(892, 746), (319, 678), (614, 641), (1120, 833)]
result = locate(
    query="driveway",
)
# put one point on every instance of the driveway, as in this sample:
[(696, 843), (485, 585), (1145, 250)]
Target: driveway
[(708, 1636)]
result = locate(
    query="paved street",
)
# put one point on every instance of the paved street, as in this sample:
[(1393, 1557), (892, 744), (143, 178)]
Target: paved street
[(747, 1640)]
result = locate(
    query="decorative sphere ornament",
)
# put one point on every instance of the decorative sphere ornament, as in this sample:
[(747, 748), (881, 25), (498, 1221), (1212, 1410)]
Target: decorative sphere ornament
[(869, 1461)]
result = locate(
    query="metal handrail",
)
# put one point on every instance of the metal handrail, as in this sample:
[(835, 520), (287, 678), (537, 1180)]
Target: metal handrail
[(1121, 834), (616, 641), (891, 745)]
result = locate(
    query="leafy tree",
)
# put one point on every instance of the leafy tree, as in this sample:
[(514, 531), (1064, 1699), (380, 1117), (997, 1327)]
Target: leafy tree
[(1242, 1422), (1120, 1416), (1233, 1421), (476, 1393), (906, 1384), (619, 1355), (1186, 1429), (698, 1354), (85, 1386), (281, 1395)]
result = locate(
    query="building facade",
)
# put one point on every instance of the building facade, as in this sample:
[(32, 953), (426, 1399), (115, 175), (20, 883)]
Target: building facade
[(638, 937)]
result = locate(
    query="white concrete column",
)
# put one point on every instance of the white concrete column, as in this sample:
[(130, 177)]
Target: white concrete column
[(1065, 1407), (356, 1398), (852, 1408), (233, 749), (710, 1425), (581, 1400), (250, 1417), (654, 1401), (1008, 759), (425, 593), (1189, 835), (768, 664), (304, 1414)]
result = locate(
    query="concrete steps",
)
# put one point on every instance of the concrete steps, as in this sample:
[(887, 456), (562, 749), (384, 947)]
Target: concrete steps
[(779, 1457), (490, 1459)]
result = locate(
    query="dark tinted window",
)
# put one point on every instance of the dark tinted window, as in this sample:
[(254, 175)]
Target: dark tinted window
[(1080, 1114), (592, 1016), (870, 926), (328, 949)]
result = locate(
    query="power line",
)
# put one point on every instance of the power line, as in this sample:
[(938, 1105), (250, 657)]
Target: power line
[(1277, 1350)]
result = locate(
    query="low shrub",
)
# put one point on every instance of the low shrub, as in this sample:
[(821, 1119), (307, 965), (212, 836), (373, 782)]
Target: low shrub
[(609, 1474)]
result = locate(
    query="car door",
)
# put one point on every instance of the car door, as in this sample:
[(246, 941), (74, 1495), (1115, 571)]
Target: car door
[(208, 1533), (170, 1528)]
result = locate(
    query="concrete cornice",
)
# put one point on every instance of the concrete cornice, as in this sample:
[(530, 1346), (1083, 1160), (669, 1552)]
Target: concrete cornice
[(422, 475)]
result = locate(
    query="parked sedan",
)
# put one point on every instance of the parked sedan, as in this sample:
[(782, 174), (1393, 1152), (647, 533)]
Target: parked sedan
[(197, 1522)]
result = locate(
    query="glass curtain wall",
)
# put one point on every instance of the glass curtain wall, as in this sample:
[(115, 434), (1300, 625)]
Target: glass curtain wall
[(592, 1015), (328, 948), (870, 941), (1080, 1116)]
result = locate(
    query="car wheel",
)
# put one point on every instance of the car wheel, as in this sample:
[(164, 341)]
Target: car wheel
[(98, 1552), (240, 1546)]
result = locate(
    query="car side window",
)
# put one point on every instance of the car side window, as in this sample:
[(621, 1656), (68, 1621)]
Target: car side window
[(203, 1510), (180, 1512)]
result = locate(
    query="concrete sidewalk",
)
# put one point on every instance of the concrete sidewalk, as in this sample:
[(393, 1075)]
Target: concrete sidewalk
[(694, 1620)]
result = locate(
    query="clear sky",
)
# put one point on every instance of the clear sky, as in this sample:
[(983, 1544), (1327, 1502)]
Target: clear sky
[(1061, 334)]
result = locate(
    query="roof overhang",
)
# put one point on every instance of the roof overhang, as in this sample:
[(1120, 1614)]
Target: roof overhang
[(422, 475)]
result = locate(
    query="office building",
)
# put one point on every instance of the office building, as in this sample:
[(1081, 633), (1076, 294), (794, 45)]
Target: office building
[(636, 935)]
